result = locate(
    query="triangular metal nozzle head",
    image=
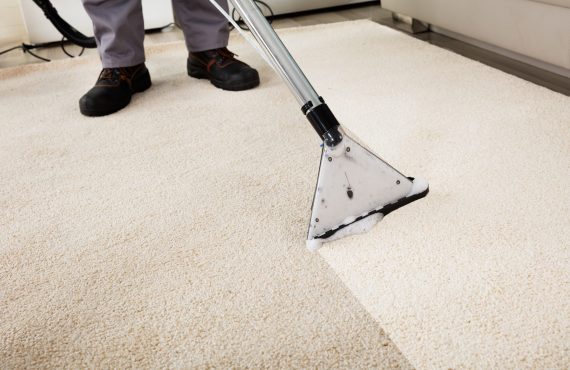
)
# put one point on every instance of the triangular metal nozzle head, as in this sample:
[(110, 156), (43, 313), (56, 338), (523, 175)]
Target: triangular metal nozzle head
[(355, 190)]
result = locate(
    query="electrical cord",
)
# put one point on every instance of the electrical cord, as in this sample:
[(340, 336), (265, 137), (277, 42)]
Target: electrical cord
[(238, 19), (26, 48), (62, 45), (63, 27), (9, 50)]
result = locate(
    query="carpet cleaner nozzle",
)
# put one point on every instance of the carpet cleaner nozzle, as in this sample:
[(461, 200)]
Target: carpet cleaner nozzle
[(355, 190)]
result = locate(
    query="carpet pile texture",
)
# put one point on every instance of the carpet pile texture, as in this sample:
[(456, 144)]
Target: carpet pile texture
[(171, 234)]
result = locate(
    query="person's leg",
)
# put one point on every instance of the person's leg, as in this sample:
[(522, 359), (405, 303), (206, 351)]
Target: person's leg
[(204, 27), (119, 31), (206, 32)]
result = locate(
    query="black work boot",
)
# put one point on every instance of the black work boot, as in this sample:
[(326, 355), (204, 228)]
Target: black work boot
[(113, 90), (222, 69)]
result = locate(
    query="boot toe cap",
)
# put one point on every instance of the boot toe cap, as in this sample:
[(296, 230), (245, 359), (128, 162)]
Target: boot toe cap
[(100, 102), (245, 79)]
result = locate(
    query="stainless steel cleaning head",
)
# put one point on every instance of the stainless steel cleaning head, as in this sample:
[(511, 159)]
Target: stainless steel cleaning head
[(355, 190)]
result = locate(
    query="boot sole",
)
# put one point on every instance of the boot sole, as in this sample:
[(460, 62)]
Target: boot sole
[(141, 84)]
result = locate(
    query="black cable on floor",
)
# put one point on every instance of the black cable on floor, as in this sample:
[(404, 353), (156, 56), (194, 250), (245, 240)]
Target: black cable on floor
[(26, 48), (9, 50), (237, 18), (62, 45)]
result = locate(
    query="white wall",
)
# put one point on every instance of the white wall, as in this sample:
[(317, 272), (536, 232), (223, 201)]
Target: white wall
[(536, 30), (12, 30)]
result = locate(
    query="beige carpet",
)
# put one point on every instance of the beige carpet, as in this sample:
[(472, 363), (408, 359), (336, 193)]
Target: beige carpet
[(172, 233)]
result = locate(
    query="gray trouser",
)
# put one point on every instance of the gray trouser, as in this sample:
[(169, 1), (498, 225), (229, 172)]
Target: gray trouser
[(119, 28)]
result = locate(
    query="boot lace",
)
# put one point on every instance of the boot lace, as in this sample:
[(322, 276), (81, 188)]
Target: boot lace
[(115, 75), (109, 74), (223, 54)]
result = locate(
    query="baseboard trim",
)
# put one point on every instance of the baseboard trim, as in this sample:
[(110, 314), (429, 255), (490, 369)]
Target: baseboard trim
[(409, 24), (504, 52)]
